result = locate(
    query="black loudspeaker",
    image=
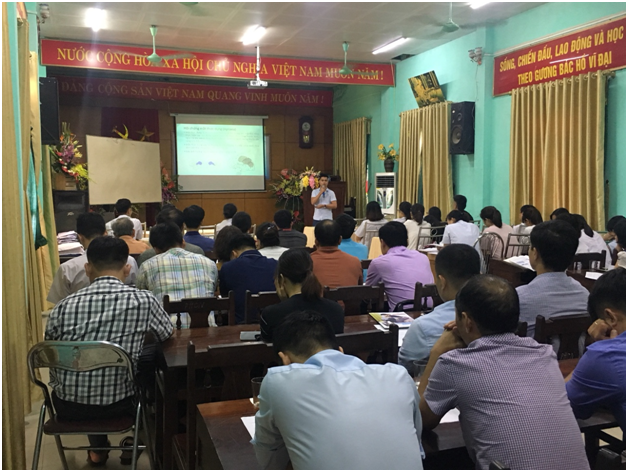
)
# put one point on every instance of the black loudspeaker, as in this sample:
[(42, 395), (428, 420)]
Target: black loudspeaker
[(68, 205), (49, 110), (462, 129)]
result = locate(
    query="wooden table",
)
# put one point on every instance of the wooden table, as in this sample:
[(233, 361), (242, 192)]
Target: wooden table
[(432, 258)]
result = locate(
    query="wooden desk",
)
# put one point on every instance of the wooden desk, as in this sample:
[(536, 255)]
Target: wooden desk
[(432, 258)]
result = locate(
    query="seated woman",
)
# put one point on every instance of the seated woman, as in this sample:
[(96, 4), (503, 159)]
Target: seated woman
[(267, 235), (559, 211), (419, 230), (589, 241), (369, 227), (299, 290), (492, 219), (434, 218), (403, 214), (530, 217)]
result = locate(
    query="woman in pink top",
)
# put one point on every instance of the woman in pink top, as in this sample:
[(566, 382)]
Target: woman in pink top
[(492, 219)]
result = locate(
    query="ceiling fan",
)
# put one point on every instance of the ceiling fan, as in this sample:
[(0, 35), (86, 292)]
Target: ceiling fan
[(347, 70), (156, 58), (450, 26), (195, 9)]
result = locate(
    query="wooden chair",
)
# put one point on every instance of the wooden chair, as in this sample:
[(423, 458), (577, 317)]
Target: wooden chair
[(373, 347), (568, 329), (419, 302), (353, 297), (514, 247), (586, 258), (310, 250), (365, 264), (255, 303), (375, 250), (522, 329), (207, 229), (211, 255), (198, 309), (309, 232), (491, 246)]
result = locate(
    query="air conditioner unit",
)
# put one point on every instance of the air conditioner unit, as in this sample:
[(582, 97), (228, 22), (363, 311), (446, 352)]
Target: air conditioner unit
[(386, 192)]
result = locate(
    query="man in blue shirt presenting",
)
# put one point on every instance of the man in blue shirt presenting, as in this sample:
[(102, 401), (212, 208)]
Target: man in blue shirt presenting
[(325, 410)]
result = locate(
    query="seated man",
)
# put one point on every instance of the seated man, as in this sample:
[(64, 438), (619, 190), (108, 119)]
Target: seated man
[(399, 268), (600, 376), (348, 245), (316, 411), (455, 264), (242, 221), (227, 211), (288, 237), (107, 310), (123, 209), (460, 203), (552, 292), (247, 270), (193, 217), (509, 390), (458, 231), (332, 267), (123, 229), (71, 276)]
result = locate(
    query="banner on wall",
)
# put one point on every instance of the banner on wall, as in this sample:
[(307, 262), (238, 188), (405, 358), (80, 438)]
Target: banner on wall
[(225, 66), (602, 47), (192, 93)]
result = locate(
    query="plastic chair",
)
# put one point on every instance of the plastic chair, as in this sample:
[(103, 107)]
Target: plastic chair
[(82, 356)]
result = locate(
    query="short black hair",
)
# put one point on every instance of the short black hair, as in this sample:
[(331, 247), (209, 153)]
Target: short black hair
[(456, 215), (90, 225), (559, 211), (620, 233), (222, 242), (241, 241), (556, 242), (267, 234), (491, 302), (173, 215), (457, 263), (283, 219), (122, 206), (123, 227), (435, 212), (394, 234), (193, 216), (374, 211), (107, 253), (405, 207), (322, 174), (609, 291), (525, 207), (229, 210), (242, 221), (303, 333), (533, 215), (328, 233), (613, 221), (347, 225), (461, 202), (164, 236)]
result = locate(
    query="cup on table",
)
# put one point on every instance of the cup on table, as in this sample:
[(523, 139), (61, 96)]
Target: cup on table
[(578, 266), (595, 265), (256, 384), (418, 367)]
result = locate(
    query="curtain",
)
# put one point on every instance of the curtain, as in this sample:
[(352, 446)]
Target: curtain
[(424, 150), (350, 143), (557, 147)]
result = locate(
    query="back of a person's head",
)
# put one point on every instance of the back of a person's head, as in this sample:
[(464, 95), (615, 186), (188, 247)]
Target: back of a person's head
[(394, 234), (405, 208), (533, 215), (526, 207), (493, 214), (457, 263), (283, 219), (242, 221), (620, 233), (229, 210), (296, 265), (173, 215), (582, 222), (556, 242), (241, 242), (558, 211), (461, 202), (164, 236), (347, 225), (267, 234), (90, 225), (491, 302), (610, 226), (327, 233), (417, 212), (123, 227), (223, 241), (193, 216), (572, 220), (455, 215), (106, 253), (304, 333), (167, 207), (609, 291), (435, 212), (122, 206), (374, 211)]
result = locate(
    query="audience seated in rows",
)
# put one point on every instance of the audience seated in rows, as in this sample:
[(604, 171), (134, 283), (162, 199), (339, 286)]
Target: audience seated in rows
[(247, 270), (122, 209), (620, 232), (458, 231), (599, 379), (320, 409), (288, 237), (123, 229), (348, 245), (454, 265), (419, 230), (107, 310), (609, 236), (267, 235), (333, 267), (589, 241), (222, 249), (492, 219), (193, 218), (71, 276), (460, 203), (509, 390), (373, 222), (299, 290), (404, 212), (242, 221), (552, 292), (399, 268), (228, 211)]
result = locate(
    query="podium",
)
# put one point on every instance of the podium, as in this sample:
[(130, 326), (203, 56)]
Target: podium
[(339, 187)]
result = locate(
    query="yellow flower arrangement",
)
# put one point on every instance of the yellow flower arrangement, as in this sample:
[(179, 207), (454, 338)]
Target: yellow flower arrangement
[(389, 153)]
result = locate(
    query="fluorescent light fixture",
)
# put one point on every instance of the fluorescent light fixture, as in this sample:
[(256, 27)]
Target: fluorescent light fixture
[(389, 46), (95, 18), (476, 5), (253, 35)]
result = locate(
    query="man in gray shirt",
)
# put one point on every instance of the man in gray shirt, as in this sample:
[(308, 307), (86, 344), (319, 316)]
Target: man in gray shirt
[(288, 237)]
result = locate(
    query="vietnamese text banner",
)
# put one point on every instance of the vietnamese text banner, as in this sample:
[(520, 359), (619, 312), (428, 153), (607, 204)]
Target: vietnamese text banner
[(602, 47), (107, 57)]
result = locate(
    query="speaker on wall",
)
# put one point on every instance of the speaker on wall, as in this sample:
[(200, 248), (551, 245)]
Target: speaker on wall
[(49, 110), (68, 205), (462, 129)]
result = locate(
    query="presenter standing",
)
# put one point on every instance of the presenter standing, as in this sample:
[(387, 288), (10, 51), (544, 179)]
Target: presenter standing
[(323, 200)]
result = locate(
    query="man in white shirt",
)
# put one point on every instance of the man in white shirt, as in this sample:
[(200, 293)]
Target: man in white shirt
[(459, 231), (123, 210), (71, 276), (323, 200), (317, 412)]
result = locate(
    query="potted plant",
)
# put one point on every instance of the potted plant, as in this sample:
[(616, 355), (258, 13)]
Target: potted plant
[(64, 162), (389, 156)]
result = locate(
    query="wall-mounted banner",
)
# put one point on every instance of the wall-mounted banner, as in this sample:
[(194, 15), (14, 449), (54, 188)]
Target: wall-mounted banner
[(602, 47), (192, 93), (108, 57)]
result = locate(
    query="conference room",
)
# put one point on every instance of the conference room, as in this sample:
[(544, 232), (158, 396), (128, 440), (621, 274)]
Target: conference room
[(369, 178)]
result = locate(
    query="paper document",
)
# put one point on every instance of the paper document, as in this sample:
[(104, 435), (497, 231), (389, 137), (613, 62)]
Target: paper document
[(430, 250), (399, 318), (593, 275), (522, 261), (450, 417), (249, 424)]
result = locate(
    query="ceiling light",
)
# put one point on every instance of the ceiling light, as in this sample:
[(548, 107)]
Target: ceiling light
[(476, 5), (95, 18), (389, 46), (253, 35)]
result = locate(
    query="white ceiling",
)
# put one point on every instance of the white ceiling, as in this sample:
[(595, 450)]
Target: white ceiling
[(294, 29)]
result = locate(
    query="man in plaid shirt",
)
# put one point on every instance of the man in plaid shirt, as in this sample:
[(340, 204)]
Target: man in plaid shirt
[(106, 310)]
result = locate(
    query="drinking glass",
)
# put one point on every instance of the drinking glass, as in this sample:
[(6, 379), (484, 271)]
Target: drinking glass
[(578, 266), (418, 369), (595, 265), (256, 384)]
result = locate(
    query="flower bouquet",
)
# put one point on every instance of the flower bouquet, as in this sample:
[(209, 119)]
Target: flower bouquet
[(169, 186), (389, 156), (65, 155)]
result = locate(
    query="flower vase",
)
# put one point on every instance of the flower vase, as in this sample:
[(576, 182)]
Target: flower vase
[(389, 165), (63, 182)]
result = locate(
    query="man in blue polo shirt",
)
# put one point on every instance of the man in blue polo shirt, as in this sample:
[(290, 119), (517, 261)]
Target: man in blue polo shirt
[(193, 217)]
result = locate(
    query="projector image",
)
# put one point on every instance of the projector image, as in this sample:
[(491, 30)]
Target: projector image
[(257, 84)]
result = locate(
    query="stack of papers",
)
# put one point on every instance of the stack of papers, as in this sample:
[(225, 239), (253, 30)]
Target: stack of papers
[(67, 237), (593, 275), (399, 318), (66, 249), (522, 261)]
